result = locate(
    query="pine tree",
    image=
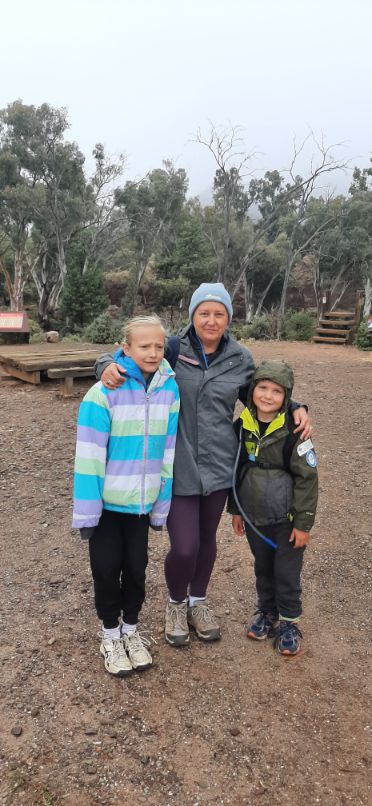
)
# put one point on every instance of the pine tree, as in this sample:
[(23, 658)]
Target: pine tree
[(84, 296)]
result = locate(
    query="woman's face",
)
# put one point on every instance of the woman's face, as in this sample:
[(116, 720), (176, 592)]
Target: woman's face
[(210, 321)]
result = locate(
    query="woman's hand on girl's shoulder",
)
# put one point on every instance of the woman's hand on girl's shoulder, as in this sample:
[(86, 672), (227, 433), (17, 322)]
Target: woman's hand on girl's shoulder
[(113, 376)]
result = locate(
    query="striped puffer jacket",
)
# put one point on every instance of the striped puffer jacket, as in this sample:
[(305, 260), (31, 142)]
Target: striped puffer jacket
[(125, 447)]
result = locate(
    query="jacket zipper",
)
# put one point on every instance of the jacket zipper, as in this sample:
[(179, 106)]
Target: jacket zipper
[(145, 447)]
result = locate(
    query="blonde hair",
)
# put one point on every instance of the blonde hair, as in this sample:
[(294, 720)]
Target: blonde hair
[(141, 321)]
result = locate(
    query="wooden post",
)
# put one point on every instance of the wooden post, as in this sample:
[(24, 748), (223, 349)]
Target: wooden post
[(325, 304), (66, 386), (359, 305)]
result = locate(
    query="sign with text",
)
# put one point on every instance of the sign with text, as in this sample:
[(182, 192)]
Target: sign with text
[(14, 322)]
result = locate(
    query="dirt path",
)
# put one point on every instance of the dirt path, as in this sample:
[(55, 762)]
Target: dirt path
[(230, 723)]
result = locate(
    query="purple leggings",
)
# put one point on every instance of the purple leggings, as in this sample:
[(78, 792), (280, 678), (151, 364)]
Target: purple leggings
[(192, 525)]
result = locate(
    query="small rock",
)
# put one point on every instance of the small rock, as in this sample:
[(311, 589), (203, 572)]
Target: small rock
[(35, 711), (16, 730), (113, 734), (51, 336), (13, 765), (90, 731), (234, 731), (91, 769), (51, 641)]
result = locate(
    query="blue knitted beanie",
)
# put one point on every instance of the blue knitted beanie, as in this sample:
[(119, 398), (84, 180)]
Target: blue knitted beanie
[(211, 292)]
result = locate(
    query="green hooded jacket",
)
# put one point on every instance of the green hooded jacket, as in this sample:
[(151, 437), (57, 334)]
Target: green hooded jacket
[(276, 477)]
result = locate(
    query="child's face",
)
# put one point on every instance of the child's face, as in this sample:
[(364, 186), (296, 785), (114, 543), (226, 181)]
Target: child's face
[(268, 397), (146, 348)]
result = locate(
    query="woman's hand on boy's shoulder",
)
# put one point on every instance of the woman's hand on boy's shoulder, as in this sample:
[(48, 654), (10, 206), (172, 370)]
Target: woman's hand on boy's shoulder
[(113, 376), (299, 539), (302, 422)]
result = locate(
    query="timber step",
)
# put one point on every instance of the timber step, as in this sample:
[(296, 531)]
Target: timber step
[(66, 376), (335, 327), (329, 340), (332, 332), (339, 314), (75, 372), (337, 322)]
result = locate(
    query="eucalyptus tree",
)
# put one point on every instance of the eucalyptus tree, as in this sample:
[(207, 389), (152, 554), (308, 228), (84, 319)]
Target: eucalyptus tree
[(153, 210)]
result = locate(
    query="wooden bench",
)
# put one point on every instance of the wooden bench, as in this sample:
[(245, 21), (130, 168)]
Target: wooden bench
[(66, 376)]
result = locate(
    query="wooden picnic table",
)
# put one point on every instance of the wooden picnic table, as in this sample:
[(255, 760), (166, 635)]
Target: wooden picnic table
[(31, 362)]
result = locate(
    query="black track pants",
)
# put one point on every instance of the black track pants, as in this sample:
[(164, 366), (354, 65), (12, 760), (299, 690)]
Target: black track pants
[(278, 571), (118, 559)]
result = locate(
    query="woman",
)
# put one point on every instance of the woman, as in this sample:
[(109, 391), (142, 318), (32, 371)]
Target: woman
[(213, 371)]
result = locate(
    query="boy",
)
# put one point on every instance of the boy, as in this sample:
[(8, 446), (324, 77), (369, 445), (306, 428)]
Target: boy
[(123, 482), (274, 500)]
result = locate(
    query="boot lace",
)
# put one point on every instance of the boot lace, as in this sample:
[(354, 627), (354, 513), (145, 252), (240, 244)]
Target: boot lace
[(203, 612), (178, 616)]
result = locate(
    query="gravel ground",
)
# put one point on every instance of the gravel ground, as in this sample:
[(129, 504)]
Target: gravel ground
[(226, 723)]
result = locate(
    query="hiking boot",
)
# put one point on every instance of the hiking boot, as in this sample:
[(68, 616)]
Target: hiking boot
[(263, 626), (288, 638), (135, 645), (176, 626), (202, 620), (116, 658)]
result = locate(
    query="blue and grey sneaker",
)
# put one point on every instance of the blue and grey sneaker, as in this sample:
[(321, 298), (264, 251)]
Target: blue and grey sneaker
[(288, 638), (263, 626)]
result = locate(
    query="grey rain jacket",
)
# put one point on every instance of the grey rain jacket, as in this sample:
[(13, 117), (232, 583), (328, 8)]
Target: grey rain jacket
[(206, 442)]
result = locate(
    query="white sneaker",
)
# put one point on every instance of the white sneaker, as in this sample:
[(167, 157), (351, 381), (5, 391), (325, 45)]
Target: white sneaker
[(116, 658), (135, 645)]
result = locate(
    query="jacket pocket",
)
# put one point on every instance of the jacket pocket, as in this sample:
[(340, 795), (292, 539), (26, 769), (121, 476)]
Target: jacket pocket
[(278, 496)]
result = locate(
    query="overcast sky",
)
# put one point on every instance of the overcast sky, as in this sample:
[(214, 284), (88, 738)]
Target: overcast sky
[(142, 75)]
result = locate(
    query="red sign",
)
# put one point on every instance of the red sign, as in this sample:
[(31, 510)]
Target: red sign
[(13, 322)]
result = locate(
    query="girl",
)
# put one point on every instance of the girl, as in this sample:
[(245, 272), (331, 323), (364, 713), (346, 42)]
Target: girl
[(123, 482)]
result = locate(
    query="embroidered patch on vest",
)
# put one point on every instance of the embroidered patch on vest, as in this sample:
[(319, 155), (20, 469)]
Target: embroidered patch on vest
[(311, 459)]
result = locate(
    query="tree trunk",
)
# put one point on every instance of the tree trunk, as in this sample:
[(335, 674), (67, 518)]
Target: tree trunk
[(264, 295), (16, 290), (248, 298), (338, 299), (283, 297), (226, 241), (368, 298), (317, 285)]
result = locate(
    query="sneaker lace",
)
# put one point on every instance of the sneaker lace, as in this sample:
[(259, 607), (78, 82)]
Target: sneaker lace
[(178, 617), (138, 641), (118, 649), (289, 628), (204, 612), (264, 617)]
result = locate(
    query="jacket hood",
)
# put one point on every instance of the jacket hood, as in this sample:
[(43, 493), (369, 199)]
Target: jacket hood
[(133, 371), (277, 372)]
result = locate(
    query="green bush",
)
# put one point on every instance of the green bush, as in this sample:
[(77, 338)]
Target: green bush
[(363, 339), (72, 337), (262, 327), (299, 326), (36, 333), (104, 330), (168, 293)]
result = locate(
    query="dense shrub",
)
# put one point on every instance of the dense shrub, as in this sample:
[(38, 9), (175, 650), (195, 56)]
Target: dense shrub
[(169, 293), (83, 297), (299, 326), (104, 330), (363, 338), (262, 327), (72, 337), (36, 333)]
